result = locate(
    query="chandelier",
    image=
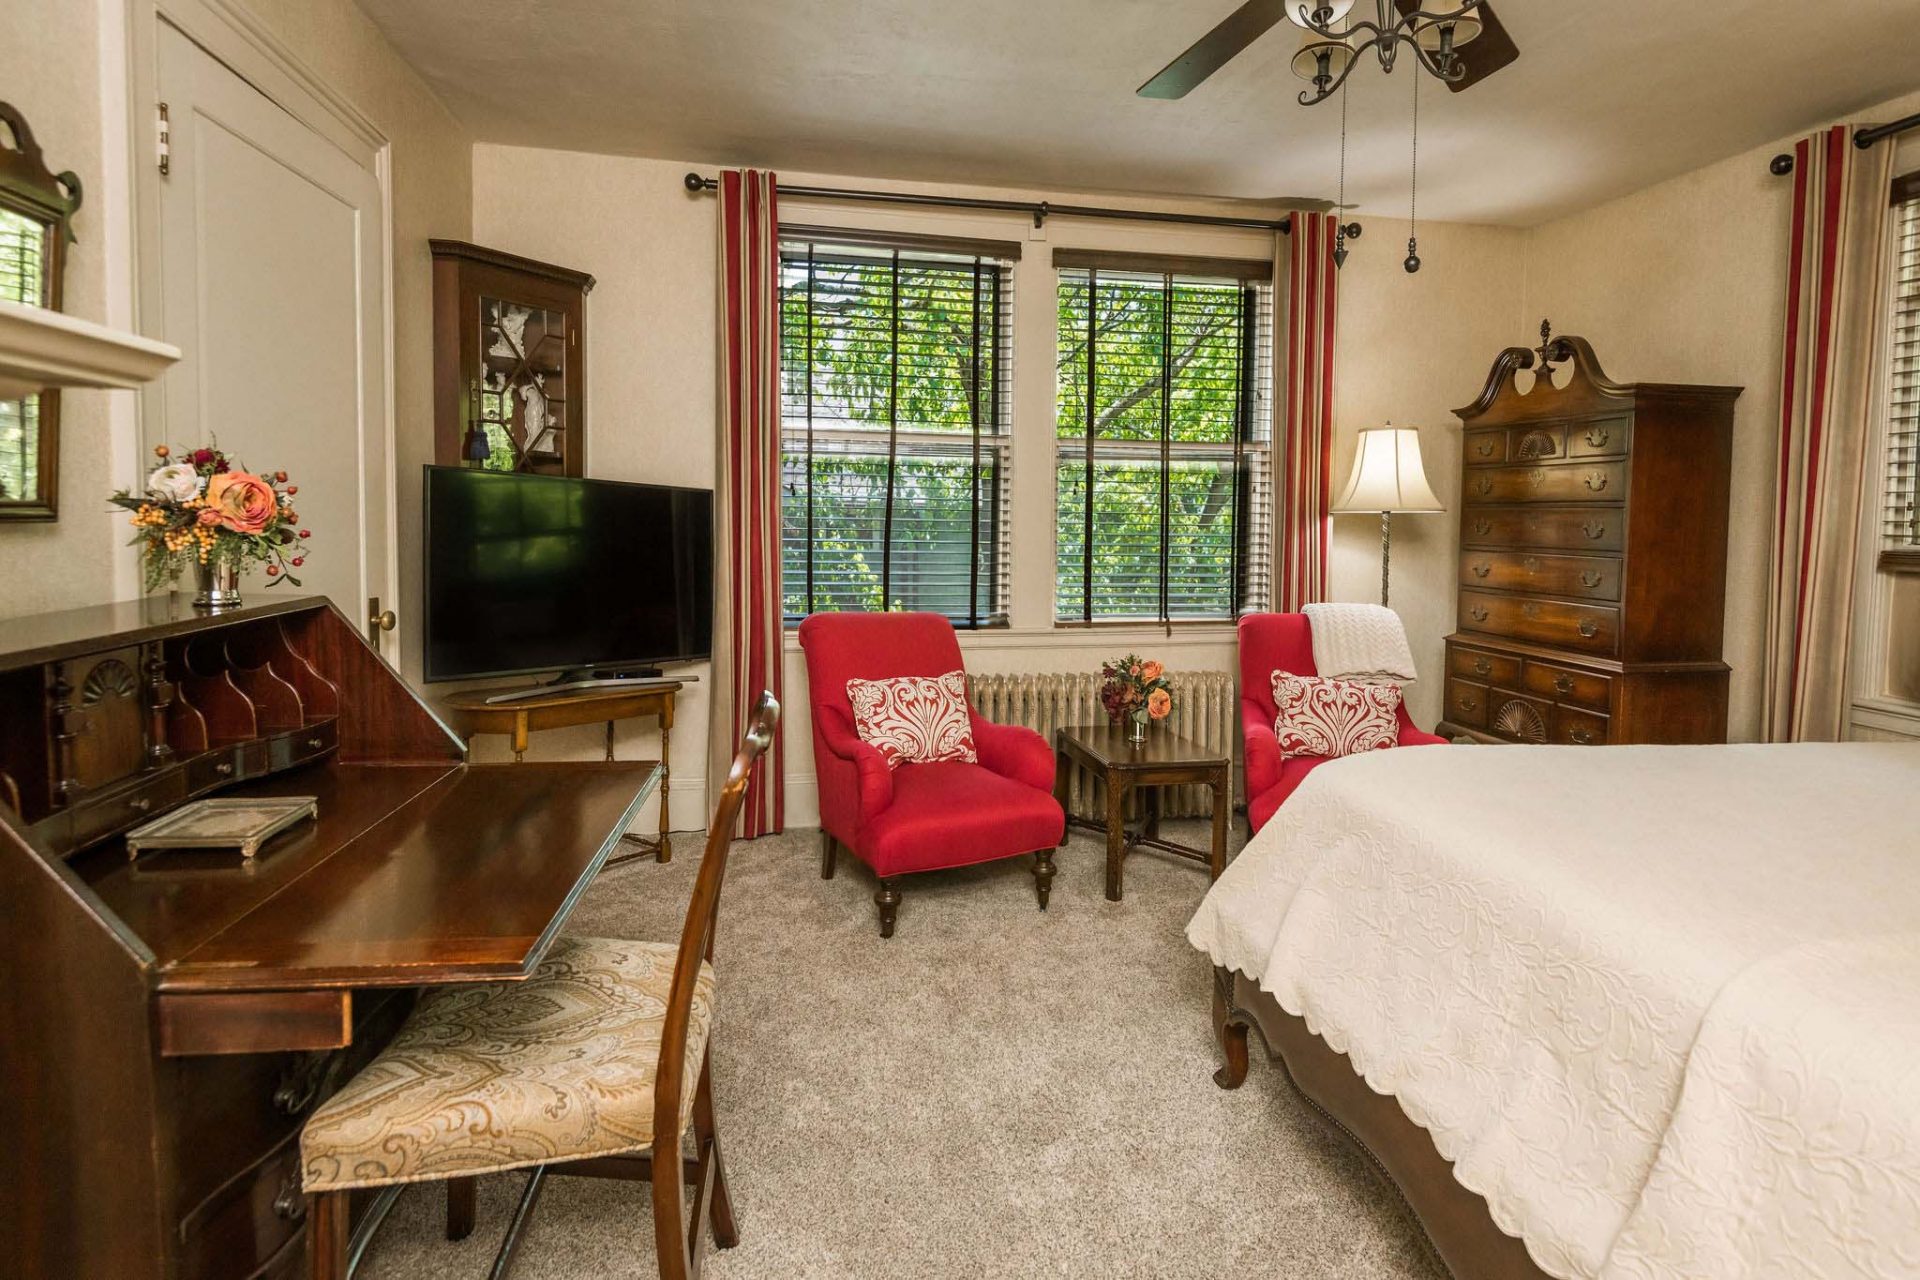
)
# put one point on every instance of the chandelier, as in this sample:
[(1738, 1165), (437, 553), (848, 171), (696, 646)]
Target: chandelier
[(1336, 39)]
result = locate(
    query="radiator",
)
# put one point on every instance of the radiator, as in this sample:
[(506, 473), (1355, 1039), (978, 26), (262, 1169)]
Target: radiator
[(1205, 711)]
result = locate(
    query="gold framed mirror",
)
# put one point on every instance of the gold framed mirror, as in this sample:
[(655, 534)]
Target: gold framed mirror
[(36, 226)]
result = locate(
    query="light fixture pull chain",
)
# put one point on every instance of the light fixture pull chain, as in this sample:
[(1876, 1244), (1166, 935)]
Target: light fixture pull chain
[(1340, 201), (1412, 264)]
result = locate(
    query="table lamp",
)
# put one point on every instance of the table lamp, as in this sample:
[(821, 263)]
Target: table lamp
[(1387, 478)]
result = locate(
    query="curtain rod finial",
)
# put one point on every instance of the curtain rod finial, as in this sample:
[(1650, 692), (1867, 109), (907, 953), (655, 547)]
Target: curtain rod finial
[(696, 183), (1781, 165)]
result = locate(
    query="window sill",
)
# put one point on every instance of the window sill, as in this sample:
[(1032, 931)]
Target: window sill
[(1900, 560)]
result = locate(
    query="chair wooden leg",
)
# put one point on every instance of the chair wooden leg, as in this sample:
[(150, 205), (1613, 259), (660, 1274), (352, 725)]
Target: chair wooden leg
[(726, 1232), (1233, 1036), (1043, 875), (887, 898), (327, 1215), (462, 1193), (670, 1235), (829, 854)]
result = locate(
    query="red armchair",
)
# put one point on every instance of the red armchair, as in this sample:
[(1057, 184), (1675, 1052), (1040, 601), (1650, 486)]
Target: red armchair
[(919, 817), (1272, 642)]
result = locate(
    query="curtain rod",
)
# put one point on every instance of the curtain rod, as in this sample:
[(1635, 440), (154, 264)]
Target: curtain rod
[(1040, 209), (1782, 164)]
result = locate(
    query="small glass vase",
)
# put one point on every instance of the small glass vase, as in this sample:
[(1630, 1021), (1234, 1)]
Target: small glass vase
[(1137, 726), (216, 585)]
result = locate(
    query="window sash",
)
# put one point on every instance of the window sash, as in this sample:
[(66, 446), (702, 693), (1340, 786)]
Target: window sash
[(895, 453), (1900, 492), (1202, 553)]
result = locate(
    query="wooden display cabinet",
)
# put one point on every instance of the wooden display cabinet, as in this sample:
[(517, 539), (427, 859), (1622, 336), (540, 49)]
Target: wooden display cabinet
[(509, 361)]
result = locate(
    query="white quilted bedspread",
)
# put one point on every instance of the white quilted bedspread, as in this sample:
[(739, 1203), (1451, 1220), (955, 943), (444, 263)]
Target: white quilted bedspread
[(1659, 1005)]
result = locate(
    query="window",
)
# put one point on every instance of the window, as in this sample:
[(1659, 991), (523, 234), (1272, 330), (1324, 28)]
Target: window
[(1164, 483), (1900, 520), (895, 405)]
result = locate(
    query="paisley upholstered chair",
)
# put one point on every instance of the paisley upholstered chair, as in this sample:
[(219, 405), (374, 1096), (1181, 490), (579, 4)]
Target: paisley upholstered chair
[(597, 1065)]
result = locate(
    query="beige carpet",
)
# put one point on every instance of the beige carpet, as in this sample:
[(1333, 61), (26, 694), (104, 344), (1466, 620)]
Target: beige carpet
[(994, 1092)]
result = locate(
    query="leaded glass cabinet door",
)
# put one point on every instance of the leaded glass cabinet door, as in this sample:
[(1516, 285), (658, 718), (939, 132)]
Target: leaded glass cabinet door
[(36, 208), (509, 360)]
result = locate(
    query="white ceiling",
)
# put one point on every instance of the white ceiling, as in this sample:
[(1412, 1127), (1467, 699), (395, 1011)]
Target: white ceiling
[(1608, 95)]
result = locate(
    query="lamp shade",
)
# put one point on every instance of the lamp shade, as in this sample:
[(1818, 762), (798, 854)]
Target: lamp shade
[(1387, 475), (1329, 13)]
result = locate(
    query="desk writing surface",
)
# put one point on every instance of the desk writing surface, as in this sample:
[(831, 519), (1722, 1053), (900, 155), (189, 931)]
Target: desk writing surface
[(425, 875)]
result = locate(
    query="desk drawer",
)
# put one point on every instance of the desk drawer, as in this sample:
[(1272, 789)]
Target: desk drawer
[(1588, 628), (1554, 528), (1590, 482), (1588, 577), (250, 1218)]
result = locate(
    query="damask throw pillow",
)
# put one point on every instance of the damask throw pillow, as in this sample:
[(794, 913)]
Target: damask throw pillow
[(915, 719), (1320, 716)]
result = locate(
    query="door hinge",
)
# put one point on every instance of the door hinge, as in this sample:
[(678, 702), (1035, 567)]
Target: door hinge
[(163, 140)]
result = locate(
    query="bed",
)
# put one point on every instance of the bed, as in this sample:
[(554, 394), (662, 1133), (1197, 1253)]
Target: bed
[(1681, 1043)]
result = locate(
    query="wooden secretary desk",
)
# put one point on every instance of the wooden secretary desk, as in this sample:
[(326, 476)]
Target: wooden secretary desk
[(168, 1022), (1593, 557)]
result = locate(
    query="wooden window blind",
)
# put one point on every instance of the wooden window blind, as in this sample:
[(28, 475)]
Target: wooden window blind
[(895, 402), (1163, 470), (1900, 520)]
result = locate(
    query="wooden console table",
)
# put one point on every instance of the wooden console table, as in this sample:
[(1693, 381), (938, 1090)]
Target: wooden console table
[(472, 714), (1163, 760)]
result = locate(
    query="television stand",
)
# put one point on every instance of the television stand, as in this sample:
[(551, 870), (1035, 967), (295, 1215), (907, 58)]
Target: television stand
[(520, 713)]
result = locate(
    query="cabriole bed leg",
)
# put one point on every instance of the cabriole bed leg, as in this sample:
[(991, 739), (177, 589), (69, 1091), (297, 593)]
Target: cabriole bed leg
[(1232, 1032)]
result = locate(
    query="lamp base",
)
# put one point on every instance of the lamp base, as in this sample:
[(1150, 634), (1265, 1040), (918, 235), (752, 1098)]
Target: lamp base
[(1386, 552)]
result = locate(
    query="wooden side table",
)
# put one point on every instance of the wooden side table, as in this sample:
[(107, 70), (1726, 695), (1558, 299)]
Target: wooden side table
[(472, 714), (1163, 760)]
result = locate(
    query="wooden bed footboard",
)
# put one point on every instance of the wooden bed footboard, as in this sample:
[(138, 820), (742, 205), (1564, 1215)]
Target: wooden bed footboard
[(1455, 1219)]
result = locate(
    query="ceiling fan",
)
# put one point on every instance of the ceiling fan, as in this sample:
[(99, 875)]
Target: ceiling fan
[(1459, 41)]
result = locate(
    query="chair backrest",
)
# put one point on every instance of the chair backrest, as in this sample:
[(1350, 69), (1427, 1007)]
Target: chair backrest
[(1272, 642), (696, 936), (873, 646)]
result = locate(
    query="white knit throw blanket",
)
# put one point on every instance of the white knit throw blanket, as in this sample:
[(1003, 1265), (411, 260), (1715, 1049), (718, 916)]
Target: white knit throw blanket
[(1363, 642)]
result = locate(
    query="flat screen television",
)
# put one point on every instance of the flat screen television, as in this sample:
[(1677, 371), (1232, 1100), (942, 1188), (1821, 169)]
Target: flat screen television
[(528, 574)]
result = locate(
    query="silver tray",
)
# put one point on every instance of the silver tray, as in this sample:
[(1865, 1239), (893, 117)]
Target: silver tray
[(222, 824)]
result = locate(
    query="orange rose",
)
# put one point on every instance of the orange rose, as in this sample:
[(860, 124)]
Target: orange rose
[(1150, 671), (1159, 704), (245, 502)]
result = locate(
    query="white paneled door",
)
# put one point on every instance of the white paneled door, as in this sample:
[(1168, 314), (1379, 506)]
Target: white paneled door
[(272, 270)]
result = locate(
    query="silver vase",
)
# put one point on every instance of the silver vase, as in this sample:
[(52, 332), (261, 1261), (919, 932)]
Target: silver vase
[(1136, 727), (217, 584)]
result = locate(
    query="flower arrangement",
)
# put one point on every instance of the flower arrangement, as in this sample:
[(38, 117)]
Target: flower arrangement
[(206, 512), (1135, 690)]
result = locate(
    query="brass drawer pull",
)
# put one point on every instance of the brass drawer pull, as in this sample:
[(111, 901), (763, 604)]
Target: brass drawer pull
[(1597, 481), (1477, 613), (141, 805), (1485, 448), (1468, 703), (1482, 667), (1582, 737), (1482, 569), (1589, 628), (1530, 611), (1483, 486), (1593, 530), (224, 768), (290, 1205), (1483, 527), (1563, 684), (315, 743), (1589, 579), (1598, 437)]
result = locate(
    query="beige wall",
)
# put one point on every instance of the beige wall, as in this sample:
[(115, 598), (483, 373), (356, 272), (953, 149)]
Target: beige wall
[(54, 79), (1408, 350), (78, 113), (1686, 282)]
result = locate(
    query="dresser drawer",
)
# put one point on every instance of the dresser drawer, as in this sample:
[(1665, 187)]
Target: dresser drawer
[(1579, 728), (1516, 717), (1605, 438), (1591, 577), (1478, 664), (1574, 482), (1467, 703), (97, 818), (1564, 685), (252, 1217), (1559, 528), (1485, 447), (1589, 628)]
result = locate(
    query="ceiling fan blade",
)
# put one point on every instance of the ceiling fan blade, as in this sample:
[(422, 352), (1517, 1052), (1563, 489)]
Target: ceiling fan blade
[(1481, 57), (1215, 49)]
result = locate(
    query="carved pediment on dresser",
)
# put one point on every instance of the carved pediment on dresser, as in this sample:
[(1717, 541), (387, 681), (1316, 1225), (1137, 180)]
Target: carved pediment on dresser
[(1593, 548)]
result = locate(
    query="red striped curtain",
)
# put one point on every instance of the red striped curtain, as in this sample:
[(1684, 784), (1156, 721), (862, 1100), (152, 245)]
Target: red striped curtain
[(1834, 265), (1306, 434), (748, 617)]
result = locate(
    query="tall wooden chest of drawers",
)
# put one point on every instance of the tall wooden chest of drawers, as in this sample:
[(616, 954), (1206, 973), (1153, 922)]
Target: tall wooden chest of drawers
[(1593, 556)]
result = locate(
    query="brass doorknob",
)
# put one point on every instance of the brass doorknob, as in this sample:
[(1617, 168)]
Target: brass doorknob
[(386, 620)]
